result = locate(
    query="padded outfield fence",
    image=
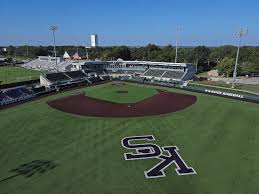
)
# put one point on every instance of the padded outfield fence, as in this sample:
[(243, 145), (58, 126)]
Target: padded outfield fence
[(224, 92)]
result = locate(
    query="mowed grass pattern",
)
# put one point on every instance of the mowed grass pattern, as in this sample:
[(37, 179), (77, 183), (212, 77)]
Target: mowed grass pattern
[(218, 137)]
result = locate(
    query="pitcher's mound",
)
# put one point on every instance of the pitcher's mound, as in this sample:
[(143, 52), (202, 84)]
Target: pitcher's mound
[(122, 91)]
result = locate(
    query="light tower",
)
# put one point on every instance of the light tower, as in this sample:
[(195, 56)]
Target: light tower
[(53, 29), (242, 33), (86, 50), (178, 29)]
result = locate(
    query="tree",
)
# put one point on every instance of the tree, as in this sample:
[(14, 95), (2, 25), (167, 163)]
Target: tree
[(207, 58), (200, 54), (152, 47), (10, 50), (224, 51), (122, 52), (247, 67), (41, 51), (226, 66), (247, 54)]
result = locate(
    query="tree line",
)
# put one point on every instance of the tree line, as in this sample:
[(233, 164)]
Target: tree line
[(206, 58)]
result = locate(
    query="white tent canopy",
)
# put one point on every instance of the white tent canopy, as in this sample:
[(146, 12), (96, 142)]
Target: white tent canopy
[(66, 55), (76, 56)]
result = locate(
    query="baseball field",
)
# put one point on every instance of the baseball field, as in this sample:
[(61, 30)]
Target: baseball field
[(47, 149), (17, 74)]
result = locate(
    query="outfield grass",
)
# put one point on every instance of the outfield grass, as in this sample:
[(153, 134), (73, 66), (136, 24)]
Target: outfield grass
[(218, 137), (15, 74)]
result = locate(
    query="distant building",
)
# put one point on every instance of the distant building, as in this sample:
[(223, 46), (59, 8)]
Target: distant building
[(4, 49), (213, 73), (94, 40)]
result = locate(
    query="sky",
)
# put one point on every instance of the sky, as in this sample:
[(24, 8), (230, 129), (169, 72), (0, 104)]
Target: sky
[(129, 22)]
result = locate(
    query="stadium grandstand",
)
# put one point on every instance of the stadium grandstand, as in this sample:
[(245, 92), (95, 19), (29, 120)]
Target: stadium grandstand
[(51, 80), (152, 73), (161, 71), (72, 74), (48, 63), (62, 78), (71, 71), (13, 95), (137, 79), (76, 75)]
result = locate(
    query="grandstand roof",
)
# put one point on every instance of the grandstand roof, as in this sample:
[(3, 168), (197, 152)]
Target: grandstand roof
[(138, 63)]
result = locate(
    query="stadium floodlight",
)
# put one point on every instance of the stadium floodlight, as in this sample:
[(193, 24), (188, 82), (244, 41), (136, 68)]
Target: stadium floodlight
[(178, 29), (77, 48), (27, 52), (242, 33), (86, 50), (53, 29)]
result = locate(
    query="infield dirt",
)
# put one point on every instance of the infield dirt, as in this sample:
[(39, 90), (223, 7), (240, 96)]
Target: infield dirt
[(161, 103)]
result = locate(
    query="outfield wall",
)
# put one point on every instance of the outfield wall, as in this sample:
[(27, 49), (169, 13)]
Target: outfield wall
[(227, 93)]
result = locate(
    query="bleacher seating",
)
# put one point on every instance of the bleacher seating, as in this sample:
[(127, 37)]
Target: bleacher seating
[(3, 98), (19, 93), (132, 72), (57, 77), (190, 73), (27, 91), (117, 71), (15, 95), (89, 71), (106, 77), (47, 65), (62, 65), (137, 79), (154, 72), (43, 65), (95, 79), (173, 74), (98, 72), (76, 75), (125, 77), (101, 72), (39, 89)]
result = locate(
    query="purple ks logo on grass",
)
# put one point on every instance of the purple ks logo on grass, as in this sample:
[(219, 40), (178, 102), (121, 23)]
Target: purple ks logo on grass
[(167, 155)]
